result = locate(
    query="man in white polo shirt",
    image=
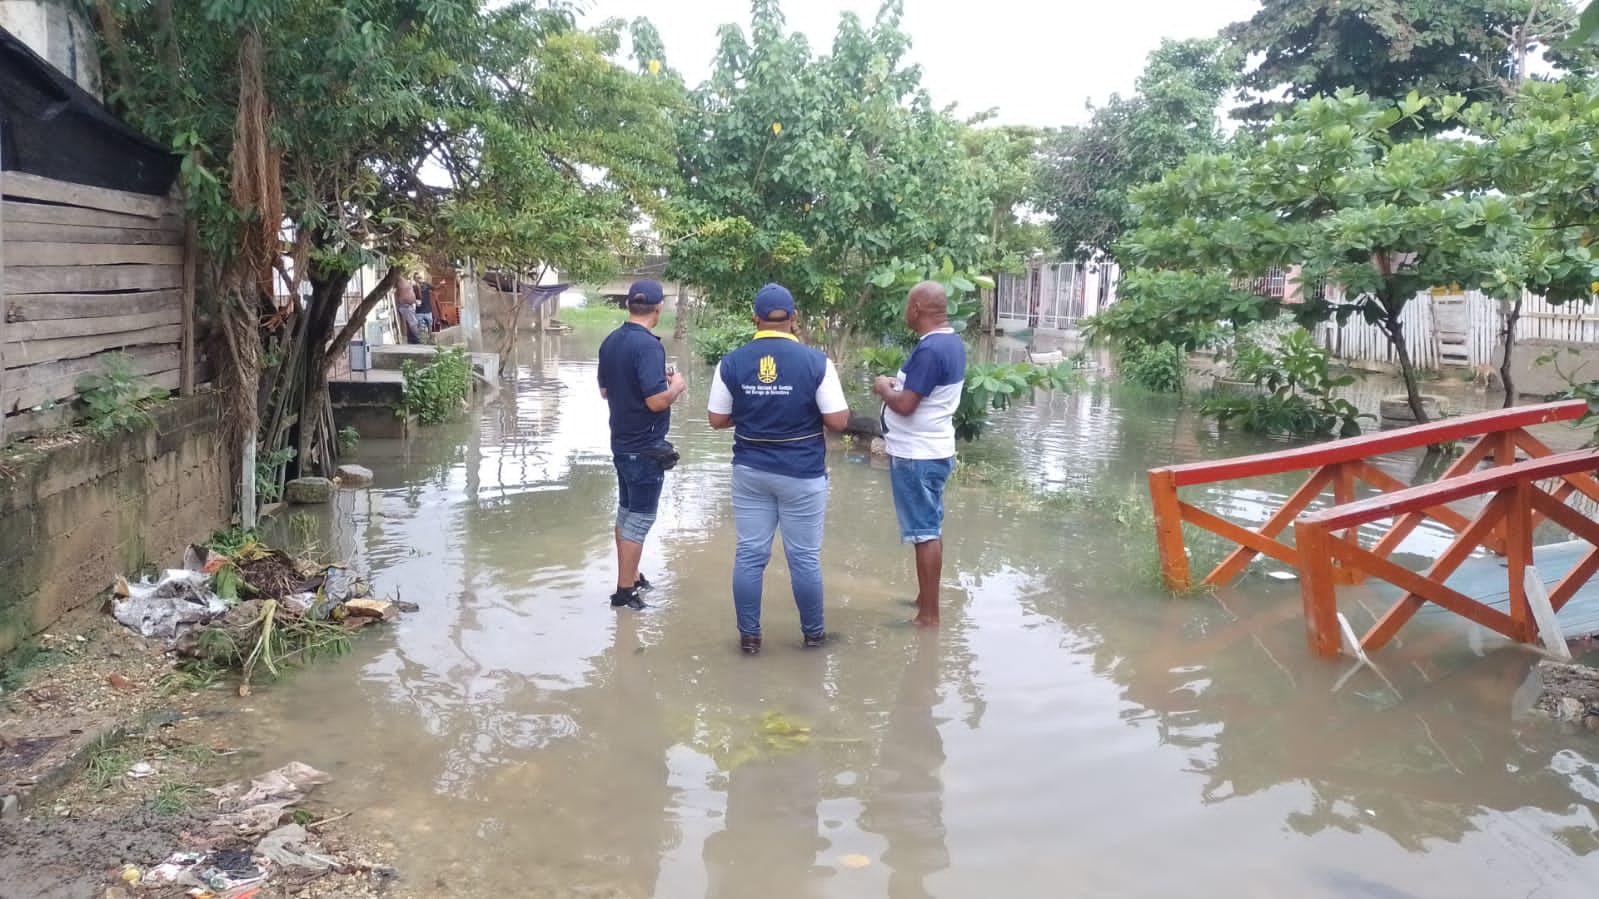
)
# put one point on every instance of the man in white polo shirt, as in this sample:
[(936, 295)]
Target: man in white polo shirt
[(919, 429)]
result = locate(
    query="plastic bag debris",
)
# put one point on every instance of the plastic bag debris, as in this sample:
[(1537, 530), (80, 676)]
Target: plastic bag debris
[(255, 807), (339, 586), (166, 607), (175, 868), (291, 846)]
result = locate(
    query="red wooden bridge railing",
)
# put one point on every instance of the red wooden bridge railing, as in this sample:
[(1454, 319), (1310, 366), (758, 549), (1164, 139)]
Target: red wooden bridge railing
[(1517, 506), (1338, 465)]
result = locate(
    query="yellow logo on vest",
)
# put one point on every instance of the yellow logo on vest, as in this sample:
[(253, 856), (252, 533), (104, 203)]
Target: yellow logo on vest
[(768, 372)]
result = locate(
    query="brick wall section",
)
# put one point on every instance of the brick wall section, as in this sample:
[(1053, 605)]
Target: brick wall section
[(74, 519)]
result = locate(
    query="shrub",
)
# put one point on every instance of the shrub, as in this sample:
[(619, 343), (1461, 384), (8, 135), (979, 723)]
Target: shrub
[(115, 399), (1160, 368), (993, 386), (883, 360), (1297, 401), (716, 337), (435, 392)]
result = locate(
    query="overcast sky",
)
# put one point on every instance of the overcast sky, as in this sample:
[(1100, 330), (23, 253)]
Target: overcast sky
[(1036, 61)]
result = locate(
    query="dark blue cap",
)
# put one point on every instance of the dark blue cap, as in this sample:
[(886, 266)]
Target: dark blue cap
[(648, 293), (771, 300)]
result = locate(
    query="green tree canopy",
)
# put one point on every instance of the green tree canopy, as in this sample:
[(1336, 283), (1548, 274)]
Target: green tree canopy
[(834, 175), (378, 129), (1085, 172), (1332, 190), (1389, 48)]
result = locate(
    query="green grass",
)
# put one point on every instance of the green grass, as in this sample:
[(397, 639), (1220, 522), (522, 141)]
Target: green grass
[(599, 315), (174, 799), (193, 753), (108, 761), (194, 675)]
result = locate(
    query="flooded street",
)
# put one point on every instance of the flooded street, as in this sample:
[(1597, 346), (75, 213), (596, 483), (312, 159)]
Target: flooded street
[(1071, 731)]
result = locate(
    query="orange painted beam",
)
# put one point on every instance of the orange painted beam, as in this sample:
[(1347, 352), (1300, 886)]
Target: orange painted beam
[(1351, 449), (1466, 486)]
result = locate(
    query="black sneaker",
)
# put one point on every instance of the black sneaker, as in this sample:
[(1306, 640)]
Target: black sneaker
[(642, 584), (750, 644), (627, 597), (814, 640)]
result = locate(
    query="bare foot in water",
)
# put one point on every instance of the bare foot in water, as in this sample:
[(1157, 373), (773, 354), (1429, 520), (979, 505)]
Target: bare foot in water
[(925, 621)]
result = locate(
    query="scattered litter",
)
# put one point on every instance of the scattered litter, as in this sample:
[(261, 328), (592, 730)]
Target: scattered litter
[(225, 592), (854, 861), (371, 608), (1282, 575), (160, 610), (141, 770), (173, 870), (255, 807), (291, 846)]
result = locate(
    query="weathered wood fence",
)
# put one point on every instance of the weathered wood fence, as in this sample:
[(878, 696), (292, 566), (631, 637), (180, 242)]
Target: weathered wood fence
[(1446, 329), (84, 272)]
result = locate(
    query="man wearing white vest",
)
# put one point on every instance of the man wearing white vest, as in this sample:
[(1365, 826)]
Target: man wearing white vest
[(780, 397)]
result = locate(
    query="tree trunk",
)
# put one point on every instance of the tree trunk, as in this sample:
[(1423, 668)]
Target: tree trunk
[(680, 326), (313, 454), (1507, 377), (1407, 367)]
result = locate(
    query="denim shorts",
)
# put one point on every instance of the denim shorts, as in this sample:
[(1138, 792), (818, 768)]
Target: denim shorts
[(919, 496), (639, 479)]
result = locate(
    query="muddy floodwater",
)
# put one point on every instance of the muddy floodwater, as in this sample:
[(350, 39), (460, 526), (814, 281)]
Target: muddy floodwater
[(1070, 731)]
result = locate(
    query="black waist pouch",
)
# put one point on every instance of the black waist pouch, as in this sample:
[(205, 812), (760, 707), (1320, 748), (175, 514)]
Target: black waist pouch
[(665, 455)]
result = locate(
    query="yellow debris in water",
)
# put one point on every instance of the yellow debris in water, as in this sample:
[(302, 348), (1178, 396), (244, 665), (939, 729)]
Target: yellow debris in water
[(854, 861)]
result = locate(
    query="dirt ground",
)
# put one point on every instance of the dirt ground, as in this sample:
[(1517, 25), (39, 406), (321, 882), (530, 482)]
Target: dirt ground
[(109, 749), (1570, 693)]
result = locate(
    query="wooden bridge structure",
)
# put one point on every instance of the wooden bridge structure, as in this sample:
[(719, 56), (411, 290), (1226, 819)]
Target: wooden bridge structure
[(1492, 497)]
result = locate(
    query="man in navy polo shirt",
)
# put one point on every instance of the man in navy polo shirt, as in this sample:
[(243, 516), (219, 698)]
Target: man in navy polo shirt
[(640, 392), (779, 396), (919, 429)]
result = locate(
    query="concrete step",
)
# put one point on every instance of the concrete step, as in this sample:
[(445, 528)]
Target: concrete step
[(390, 357)]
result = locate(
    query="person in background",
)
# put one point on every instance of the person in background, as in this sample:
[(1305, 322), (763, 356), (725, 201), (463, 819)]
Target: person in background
[(424, 305), (405, 307), (636, 385), (780, 397), (919, 430)]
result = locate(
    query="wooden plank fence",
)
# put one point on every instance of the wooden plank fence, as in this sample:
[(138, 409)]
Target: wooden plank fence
[(86, 271), (1447, 329)]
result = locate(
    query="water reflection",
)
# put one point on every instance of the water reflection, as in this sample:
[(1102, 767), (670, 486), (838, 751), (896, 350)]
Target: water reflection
[(517, 736), (905, 791)]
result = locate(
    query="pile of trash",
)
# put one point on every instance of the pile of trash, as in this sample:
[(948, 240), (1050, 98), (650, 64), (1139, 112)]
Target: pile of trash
[(249, 813), (249, 605)]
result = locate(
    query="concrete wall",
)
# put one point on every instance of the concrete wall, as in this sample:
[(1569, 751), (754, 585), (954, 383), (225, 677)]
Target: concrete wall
[(1577, 362), (76, 516), (59, 32)]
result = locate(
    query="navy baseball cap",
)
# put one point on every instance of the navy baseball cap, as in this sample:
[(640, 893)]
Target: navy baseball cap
[(773, 303), (649, 293)]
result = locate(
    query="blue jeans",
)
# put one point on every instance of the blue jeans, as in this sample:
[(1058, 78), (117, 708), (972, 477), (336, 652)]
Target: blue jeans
[(762, 503), (918, 486), (639, 480)]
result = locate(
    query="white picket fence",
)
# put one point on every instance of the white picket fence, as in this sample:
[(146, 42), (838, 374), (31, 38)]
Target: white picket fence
[(1444, 330)]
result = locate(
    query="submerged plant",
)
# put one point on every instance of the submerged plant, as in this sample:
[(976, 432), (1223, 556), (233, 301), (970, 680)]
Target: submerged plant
[(1156, 367), (716, 337), (1297, 387), (992, 387)]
